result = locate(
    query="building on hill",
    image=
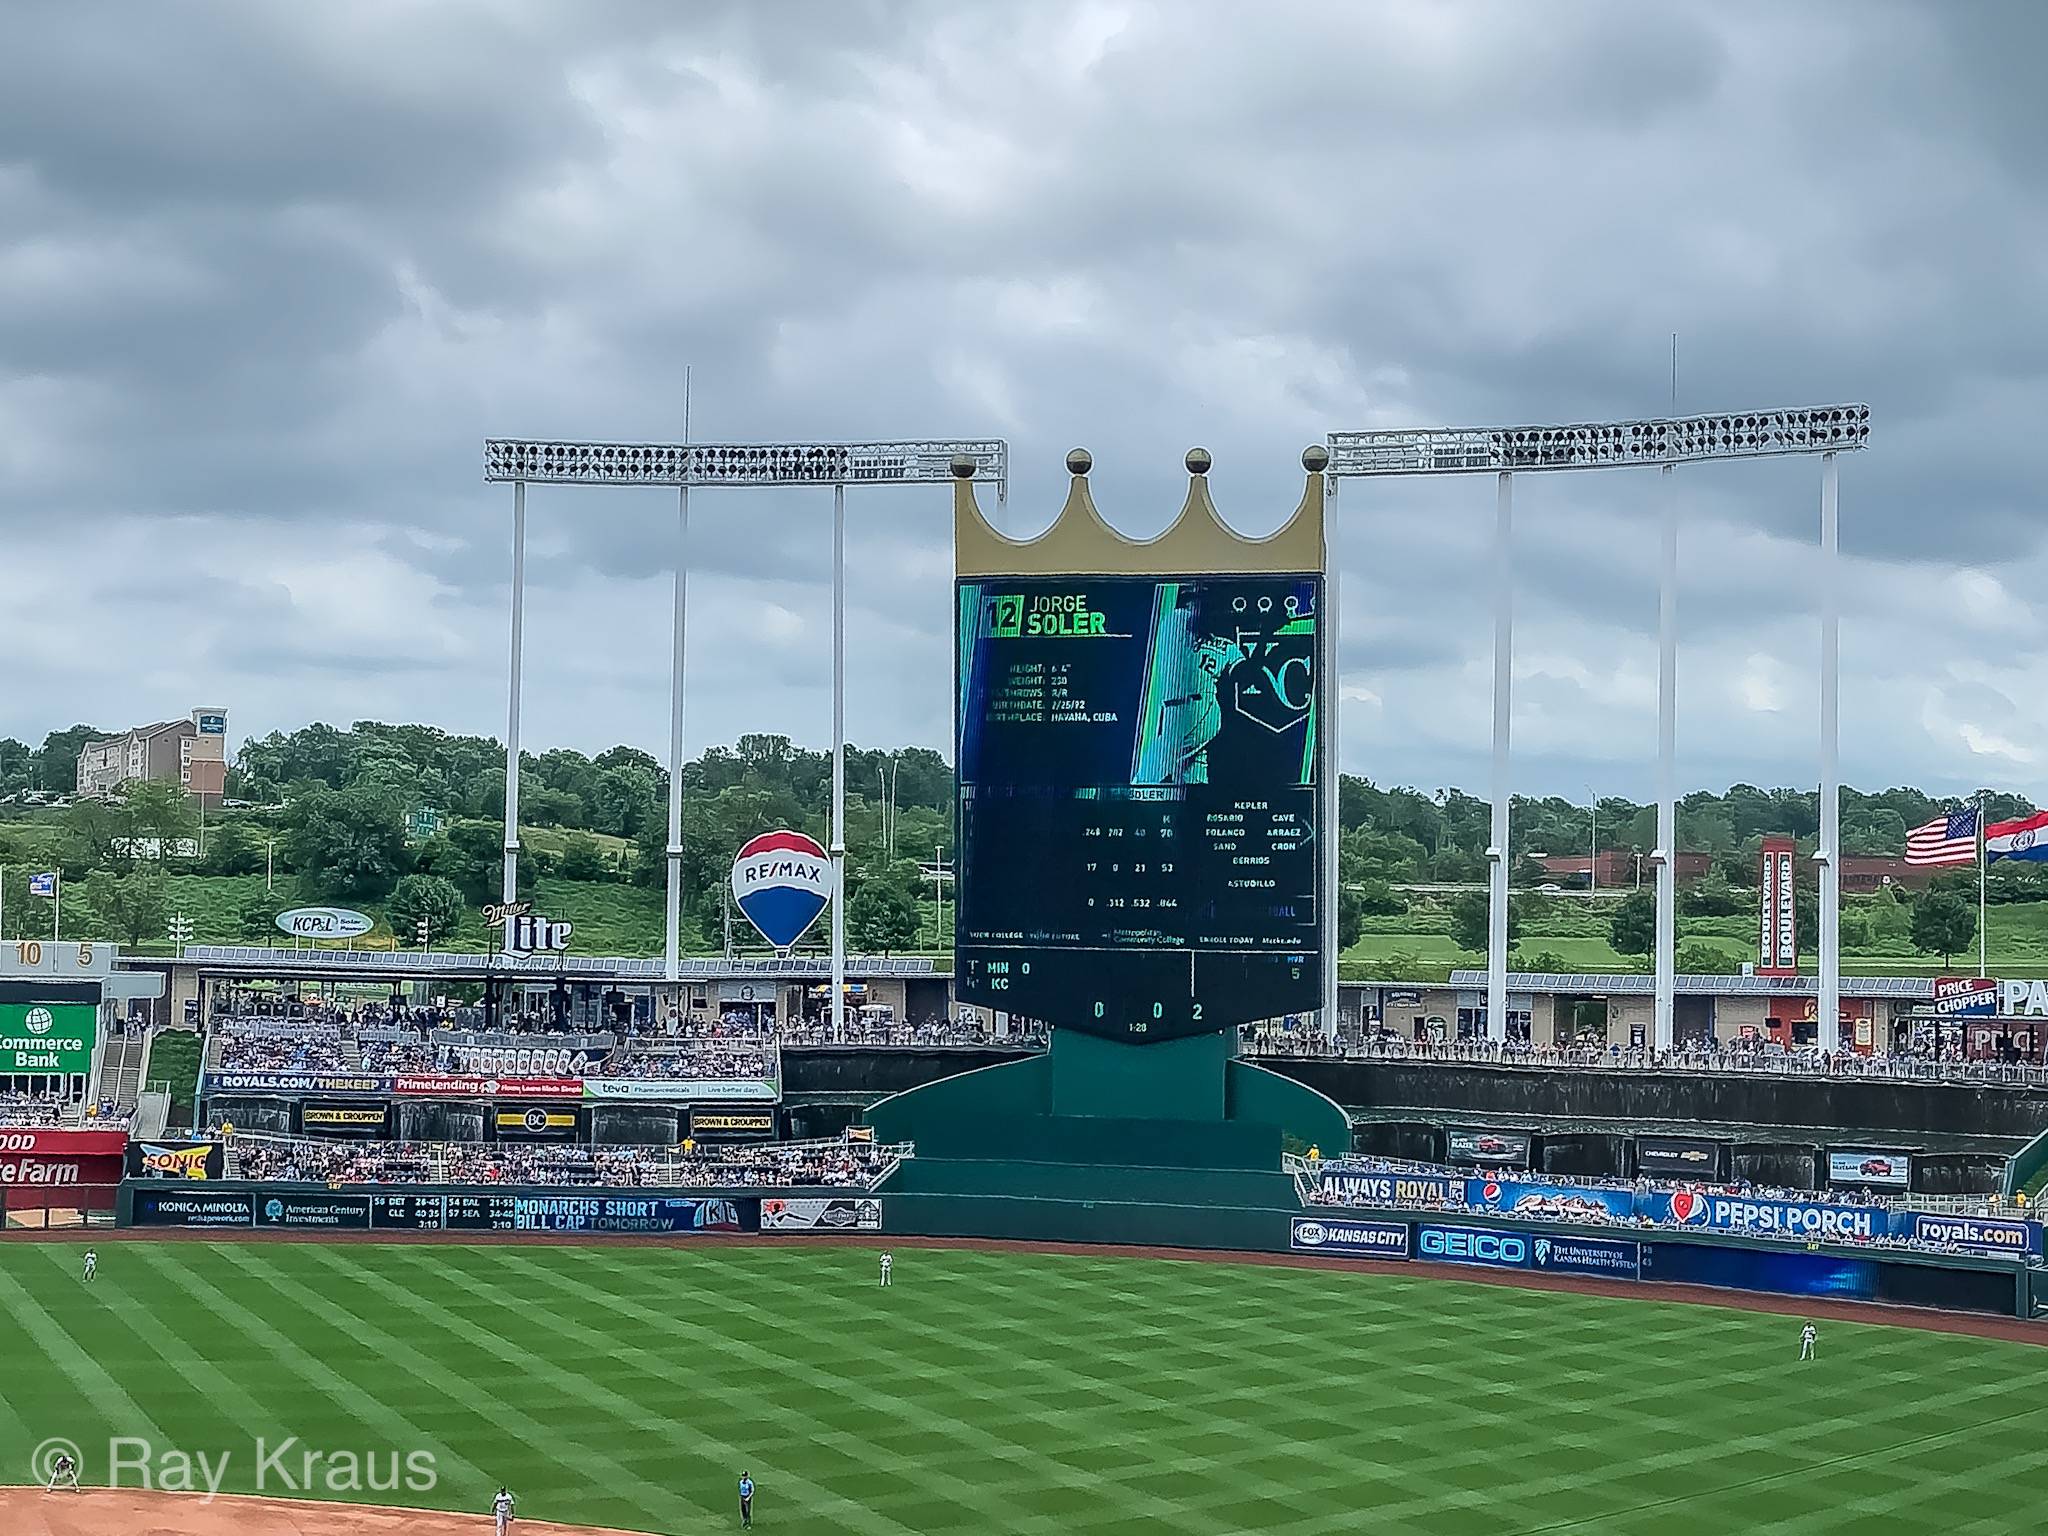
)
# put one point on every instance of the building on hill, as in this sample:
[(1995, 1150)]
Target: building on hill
[(1620, 868), (192, 753), (1866, 874)]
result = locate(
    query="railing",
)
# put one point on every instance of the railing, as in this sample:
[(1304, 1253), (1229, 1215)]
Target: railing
[(443, 1162), (1847, 1066), (1306, 1172)]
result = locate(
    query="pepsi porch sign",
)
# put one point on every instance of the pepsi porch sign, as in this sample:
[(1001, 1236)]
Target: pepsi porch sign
[(781, 882)]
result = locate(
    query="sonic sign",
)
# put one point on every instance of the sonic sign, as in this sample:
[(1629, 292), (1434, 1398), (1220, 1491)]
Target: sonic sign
[(526, 932)]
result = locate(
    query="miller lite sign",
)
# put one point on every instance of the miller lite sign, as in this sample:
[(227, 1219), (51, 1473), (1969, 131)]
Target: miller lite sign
[(526, 932)]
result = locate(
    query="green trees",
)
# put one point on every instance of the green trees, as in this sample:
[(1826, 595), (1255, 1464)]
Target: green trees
[(133, 908), (1943, 923), (1696, 957), (231, 849), (350, 842), (470, 855), (1634, 927), (582, 858), (424, 898), (1468, 913), (881, 917)]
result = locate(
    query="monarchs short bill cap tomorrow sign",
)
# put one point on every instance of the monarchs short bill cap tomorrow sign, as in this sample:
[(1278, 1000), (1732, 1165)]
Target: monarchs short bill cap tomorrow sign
[(781, 881)]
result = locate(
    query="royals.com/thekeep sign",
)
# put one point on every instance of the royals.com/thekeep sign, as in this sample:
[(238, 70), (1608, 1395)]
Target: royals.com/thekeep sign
[(40, 1038)]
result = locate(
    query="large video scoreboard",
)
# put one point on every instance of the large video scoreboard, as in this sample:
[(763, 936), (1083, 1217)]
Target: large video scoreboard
[(1137, 811)]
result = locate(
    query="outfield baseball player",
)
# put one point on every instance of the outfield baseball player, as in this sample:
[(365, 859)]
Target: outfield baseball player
[(746, 1501), (1806, 1337), (501, 1510), (63, 1473), (92, 1263), (886, 1261)]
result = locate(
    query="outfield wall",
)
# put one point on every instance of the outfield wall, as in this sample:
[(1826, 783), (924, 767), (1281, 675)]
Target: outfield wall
[(1974, 1282)]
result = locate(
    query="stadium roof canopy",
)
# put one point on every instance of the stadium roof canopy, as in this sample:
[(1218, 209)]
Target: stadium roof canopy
[(1627, 984)]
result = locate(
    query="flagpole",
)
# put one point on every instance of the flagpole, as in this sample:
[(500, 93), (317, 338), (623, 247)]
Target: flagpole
[(57, 909), (1983, 939)]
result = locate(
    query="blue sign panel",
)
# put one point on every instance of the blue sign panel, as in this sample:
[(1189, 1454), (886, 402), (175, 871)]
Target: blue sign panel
[(1483, 1246), (1537, 1201), (1587, 1256), (1354, 1239), (1814, 1220), (1979, 1234), (1395, 1189)]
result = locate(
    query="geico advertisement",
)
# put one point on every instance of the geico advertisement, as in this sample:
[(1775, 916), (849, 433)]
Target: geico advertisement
[(1472, 1245)]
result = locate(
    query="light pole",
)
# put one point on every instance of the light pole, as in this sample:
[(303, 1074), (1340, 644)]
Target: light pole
[(524, 461), (1593, 868), (1664, 442), (181, 934)]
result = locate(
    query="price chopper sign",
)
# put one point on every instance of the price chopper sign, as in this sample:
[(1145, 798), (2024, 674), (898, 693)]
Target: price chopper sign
[(526, 932)]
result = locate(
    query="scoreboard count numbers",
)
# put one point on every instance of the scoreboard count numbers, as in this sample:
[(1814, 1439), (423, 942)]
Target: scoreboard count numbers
[(56, 960)]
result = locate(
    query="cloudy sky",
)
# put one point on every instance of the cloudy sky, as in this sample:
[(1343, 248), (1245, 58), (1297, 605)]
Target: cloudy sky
[(270, 273)]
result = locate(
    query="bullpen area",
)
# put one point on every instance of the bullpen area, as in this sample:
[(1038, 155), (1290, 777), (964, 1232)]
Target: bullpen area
[(628, 1386)]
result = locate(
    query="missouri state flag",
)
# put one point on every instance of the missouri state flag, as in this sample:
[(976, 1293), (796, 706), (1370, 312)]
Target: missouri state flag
[(2024, 837)]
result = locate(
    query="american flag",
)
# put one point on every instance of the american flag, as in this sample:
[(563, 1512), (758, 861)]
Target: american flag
[(1950, 839)]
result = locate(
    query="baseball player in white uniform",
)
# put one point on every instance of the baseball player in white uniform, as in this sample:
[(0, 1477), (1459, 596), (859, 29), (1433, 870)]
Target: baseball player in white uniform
[(63, 1473), (886, 1261), (92, 1263), (1806, 1337), (501, 1511)]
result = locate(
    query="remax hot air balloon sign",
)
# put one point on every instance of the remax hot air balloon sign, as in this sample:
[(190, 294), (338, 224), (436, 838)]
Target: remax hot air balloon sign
[(782, 881)]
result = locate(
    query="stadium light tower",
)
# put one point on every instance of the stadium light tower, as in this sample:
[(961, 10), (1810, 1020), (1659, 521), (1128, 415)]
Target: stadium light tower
[(524, 461), (1666, 442)]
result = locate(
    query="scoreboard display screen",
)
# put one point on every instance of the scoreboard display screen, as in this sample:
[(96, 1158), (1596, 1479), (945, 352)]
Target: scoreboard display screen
[(1137, 813), (418, 1213)]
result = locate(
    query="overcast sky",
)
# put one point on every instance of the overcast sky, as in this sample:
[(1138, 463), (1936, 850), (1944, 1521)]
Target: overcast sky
[(270, 273)]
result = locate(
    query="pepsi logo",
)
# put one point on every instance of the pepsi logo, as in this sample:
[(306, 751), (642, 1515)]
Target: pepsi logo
[(1688, 1207), (781, 882), (1490, 1192)]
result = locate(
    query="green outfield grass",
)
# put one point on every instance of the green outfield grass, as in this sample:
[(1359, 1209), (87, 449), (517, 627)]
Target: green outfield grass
[(996, 1392)]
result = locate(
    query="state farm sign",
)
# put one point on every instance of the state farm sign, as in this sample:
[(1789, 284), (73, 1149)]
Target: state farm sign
[(55, 1169)]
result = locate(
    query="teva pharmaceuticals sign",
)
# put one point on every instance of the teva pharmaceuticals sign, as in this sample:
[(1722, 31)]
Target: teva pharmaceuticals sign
[(525, 931), (324, 923), (37, 1038)]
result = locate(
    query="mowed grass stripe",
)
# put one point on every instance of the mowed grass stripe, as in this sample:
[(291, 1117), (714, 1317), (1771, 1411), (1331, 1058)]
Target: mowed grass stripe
[(240, 1287), (451, 1375), (511, 1306), (920, 1427), (1043, 1394)]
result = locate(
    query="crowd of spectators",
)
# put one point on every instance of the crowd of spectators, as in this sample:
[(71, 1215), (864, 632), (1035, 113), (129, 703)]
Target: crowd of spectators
[(26, 1109), (786, 1165), (1743, 1055), (384, 1042)]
